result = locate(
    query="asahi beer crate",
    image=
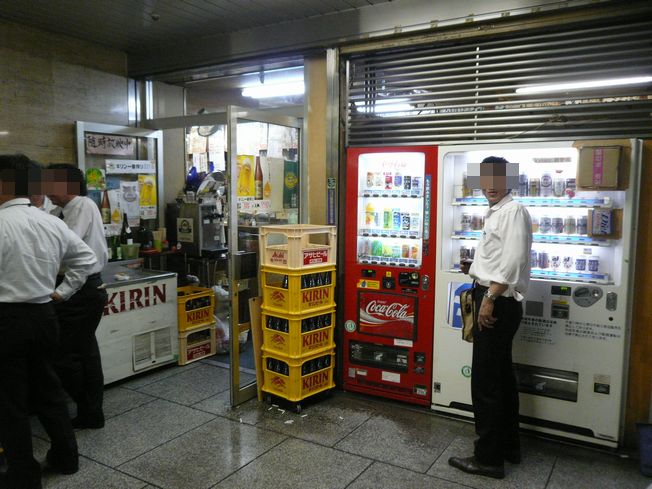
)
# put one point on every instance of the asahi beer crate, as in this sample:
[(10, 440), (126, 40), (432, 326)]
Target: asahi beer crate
[(295, 380), (196, 307), (292, 292), (298, 336), (197, 343), (298, 246)]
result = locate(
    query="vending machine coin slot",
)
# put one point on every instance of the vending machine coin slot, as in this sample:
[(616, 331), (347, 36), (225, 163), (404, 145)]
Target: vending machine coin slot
[(419, 357), (408, 279), (389, 283), (612, 301), (587, 296), (559, 310)]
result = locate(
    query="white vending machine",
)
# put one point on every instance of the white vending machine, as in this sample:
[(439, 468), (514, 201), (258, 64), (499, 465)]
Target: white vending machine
[(571, 350)]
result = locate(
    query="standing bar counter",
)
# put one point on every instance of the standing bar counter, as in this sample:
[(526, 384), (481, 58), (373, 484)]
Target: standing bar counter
[(138, 331)]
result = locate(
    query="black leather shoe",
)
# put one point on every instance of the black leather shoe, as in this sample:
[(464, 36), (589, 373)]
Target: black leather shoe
[(513, 456), (51, 465), (80, 423), (471, 466)]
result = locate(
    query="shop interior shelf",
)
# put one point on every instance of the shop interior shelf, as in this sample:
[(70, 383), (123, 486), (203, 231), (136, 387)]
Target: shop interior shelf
[(567, 239)]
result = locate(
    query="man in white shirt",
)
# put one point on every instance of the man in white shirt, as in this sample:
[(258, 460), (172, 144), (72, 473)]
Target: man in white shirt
[(79, 364), (501, 270), (33, 245)]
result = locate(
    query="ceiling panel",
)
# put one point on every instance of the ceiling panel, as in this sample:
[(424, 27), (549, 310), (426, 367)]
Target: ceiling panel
[(135, 25)]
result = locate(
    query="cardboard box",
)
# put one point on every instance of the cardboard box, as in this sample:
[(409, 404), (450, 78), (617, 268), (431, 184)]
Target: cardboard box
[(598, 167)]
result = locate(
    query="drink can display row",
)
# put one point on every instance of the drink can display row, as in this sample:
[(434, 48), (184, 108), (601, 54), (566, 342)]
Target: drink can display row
[(545, 186), (376, 247), (471, 222), (560, 225), (467, 253), (544, 260), (392, 181)]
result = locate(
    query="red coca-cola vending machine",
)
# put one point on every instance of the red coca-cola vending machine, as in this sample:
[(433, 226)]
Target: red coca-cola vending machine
[(389, 272)]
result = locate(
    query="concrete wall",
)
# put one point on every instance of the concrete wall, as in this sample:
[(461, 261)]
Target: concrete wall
[(47, 81)]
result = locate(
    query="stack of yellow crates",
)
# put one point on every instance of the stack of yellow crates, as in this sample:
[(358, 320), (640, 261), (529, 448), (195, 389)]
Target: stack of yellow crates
[(196, 317), (298, 310)]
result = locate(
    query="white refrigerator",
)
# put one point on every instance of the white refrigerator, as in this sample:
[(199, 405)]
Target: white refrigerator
[(571, 350)]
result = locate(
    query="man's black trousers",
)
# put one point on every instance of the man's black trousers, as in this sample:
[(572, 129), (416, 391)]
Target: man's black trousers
[(493, 383)]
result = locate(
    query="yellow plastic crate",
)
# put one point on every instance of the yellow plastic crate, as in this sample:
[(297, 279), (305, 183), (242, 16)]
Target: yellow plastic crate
[(298, 246), (288, 292), (296, 380), (196, 307), (197, 343), (298, 336)]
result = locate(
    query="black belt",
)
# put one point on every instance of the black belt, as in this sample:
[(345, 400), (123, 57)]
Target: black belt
[(94, 276)]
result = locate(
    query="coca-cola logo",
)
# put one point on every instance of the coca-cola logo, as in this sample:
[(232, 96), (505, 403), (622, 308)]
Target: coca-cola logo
[(393, 310)]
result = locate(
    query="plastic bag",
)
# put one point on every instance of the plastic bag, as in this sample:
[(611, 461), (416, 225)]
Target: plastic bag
[(222, 335)]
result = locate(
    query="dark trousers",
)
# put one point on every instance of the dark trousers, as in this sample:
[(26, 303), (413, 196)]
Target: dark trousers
[(28, 339), (493, 383), (78, 361)]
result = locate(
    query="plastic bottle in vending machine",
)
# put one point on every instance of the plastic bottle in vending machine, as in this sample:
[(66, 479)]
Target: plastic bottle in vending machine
[(371, 216), (398, 180), (415, 221), (389, 180), (387, 218)]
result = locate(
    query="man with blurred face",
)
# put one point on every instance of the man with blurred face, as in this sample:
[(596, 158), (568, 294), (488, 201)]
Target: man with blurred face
[(501, 270), (34, 245), (78, 363)]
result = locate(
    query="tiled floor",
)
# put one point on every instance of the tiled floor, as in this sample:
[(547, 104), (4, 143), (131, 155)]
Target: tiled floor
[(174, 429)]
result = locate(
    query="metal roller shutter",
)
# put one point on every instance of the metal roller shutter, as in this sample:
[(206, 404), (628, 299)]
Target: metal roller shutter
[(466, 91)]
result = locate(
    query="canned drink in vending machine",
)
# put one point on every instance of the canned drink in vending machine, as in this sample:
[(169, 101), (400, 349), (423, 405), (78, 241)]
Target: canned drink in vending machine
[(370, 179), (522, 185), (465, 253), (389, 180), (407, 182), (378, 179), (376, 247), (557, 225), (555, 261), (582, 225), (396, 219), (534, 259), (398, 180), (545, 224), (594, 263), (570, 225), (405, 251), (405, 221), (544, 259), (568, 262), (476, 222), (396, 251), (580, 263), (535, 224), (466, 222), (414, 252), (558, 186), (416, 183), (546, 185), (415, 221), (534, 185)]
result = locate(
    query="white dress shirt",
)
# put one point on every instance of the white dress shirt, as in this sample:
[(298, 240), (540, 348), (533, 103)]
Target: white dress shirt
[(503, 255), (33, 244), (82, 215)]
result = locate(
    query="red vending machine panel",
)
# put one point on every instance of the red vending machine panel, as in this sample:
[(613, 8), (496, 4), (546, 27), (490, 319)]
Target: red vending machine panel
[(389, 275)]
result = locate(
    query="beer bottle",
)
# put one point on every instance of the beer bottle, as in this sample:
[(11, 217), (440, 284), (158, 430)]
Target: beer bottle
[(258, 180), (285, 282), (319, 279), (286, 326), (126, 236), (105, 209)]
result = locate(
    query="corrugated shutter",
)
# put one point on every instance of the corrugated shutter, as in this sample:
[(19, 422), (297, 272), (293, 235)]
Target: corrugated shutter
[(466, 91)]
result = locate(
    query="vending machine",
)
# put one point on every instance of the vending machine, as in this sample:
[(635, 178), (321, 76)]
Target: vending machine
[(389, 278), (570, 351)]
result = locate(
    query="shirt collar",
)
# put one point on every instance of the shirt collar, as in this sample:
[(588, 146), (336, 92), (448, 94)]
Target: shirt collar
[(17, 201), (505, 200), (70, 204)]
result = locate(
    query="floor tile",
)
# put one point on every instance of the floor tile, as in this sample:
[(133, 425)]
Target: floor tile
[(203, 456), (581, 468), (131, 434), (155, 375), (90, 475), (391, 477), (325, 422), (531, 473), (249, 412), (118, 400), (190, 386), (297, 464), (404, 438)]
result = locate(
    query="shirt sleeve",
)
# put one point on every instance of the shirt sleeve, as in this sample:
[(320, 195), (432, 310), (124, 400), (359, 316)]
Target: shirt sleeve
[(79, 220), (78, 260), (516, 234)]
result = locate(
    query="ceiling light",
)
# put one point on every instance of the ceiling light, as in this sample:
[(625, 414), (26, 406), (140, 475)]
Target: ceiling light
[(562, 87), (4, 133), (395, 106), (274, 90)]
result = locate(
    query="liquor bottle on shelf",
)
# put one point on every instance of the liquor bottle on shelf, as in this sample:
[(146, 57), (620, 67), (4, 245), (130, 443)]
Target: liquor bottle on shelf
[(105, 209), (126, 236), (258, 180)]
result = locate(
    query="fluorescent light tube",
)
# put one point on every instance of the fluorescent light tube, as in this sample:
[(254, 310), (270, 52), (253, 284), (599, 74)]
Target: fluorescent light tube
[(562, 87), (274, 90), (387, 106)]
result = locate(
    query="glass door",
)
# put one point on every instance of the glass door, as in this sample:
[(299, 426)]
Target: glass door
[(255, 158)]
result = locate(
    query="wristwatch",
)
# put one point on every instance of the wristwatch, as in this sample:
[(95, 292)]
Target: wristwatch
[(490, 296)]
